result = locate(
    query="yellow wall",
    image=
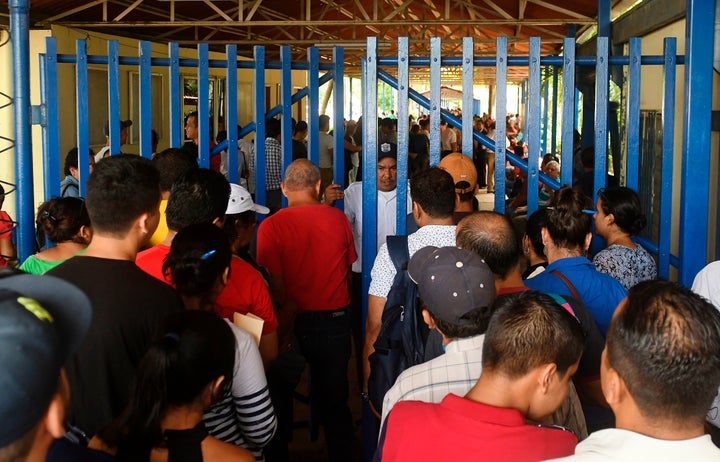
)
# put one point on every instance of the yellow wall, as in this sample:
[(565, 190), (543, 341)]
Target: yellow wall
[(97, 45), (7, 158)]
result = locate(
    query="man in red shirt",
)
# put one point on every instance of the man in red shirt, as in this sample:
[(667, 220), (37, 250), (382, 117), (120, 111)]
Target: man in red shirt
[(201, 195), (308, 249), (531, 350)]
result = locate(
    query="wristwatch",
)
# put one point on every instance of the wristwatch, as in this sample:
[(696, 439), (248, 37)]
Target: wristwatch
[(365, 397)]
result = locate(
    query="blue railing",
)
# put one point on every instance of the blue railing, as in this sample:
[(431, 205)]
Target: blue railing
[(689, 259)]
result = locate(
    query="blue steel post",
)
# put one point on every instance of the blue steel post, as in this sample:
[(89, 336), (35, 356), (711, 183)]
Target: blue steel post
[(468, 81), (435, 90), (176, 116), (339, 113), (48, 180), (632, 167), (145, 128), (203, 118), (20, 38), (52, 153), (668, 142), (533, 124), (694, 198), (81, 102), (601, 113), (286, 102), (313, 56), (231, 113), (545, 109), (554, 111), (259, 113), (369, 160), (114, 95), (568, 111), (500, 127), (403, 136)]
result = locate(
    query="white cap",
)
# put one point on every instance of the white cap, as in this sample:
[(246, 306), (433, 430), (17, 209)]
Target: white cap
[(241, 201)]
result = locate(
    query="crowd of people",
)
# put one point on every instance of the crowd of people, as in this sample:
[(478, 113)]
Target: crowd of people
[(164, 324)]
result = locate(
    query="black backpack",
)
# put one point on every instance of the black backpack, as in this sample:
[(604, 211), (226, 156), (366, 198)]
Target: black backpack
[(401, 341)]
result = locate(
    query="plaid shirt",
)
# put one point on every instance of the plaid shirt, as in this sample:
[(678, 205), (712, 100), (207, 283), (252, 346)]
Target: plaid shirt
[(273, 166), (456, 372)]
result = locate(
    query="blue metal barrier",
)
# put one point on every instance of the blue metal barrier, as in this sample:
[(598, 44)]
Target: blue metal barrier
[(693, 192), (534, 129)]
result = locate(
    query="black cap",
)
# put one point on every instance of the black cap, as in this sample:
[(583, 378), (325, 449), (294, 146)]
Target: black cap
[(452, 282), (43, 320), (123, 124), (387, 150)]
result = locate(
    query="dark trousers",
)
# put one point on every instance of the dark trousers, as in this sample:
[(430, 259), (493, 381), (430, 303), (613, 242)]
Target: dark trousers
[(324, 339)]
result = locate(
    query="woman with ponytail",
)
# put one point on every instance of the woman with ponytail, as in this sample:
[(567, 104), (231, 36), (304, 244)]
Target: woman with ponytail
[(66, 223), (184, 372), (566, 237), (198, 265), (619, 217)]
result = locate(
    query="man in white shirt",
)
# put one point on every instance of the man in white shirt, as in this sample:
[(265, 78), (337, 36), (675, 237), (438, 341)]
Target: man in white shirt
[(386, 223), (448, 139), (105, 151), (660, 372)]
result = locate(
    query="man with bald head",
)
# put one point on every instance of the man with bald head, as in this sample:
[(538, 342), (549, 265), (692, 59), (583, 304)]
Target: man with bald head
[(308, 249)]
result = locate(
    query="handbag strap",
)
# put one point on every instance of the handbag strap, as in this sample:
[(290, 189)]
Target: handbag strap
[(567, 283)]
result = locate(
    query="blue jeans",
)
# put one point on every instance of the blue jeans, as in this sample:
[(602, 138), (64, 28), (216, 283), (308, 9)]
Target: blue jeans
[(324, 339)]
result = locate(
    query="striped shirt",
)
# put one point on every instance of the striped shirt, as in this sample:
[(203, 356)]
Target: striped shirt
[(246, 416)]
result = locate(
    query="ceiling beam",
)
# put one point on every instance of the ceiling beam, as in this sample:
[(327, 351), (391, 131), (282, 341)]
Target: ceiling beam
[(559, 9), (73, 11), (332, 22)]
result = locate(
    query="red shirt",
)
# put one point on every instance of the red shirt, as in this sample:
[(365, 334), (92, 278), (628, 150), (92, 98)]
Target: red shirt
[(244, 293), (6, 227), (312, 248), (461, 429)]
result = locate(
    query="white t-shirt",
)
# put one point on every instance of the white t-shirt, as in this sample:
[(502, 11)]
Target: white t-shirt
[(619, 445), (707, 284), (326, 148), (447, 138)]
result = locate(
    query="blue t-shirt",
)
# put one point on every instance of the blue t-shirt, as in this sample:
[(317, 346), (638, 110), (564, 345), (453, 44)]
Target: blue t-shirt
[(599, 292)]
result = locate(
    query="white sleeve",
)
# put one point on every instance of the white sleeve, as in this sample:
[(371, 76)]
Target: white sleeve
[(382, 274)]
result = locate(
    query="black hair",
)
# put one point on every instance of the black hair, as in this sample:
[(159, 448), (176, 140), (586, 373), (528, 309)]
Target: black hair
[(199, 254), (199, 195), (567, 224), (120, 189), (478, 319), (272, 128), (61, 218), (153, 138), (192, 114), (549, 157), (529, 329), (300, 127), (664, 343), (195, 349), (434, 190), (624, 204), (71, 159), (171, 163), (533, 230), (492, 236)]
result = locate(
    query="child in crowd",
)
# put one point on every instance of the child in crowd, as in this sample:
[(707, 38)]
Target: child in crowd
[(7, 248)]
